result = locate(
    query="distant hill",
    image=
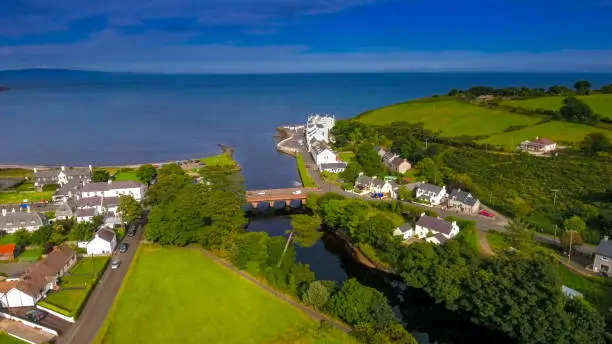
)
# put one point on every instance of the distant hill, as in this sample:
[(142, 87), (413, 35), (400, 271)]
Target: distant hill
[(3, 88)]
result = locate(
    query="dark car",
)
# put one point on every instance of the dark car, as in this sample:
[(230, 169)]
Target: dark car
[(36, 315), (123, 248), (131, 232)]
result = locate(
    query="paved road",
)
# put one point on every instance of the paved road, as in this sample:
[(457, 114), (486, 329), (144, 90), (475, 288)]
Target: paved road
[(101, 300)]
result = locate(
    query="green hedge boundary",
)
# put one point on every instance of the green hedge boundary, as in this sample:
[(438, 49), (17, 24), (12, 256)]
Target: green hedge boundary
[(307, 180), (55, 308)]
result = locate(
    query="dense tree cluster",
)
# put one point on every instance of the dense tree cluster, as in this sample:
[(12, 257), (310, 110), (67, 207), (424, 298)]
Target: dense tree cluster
[(146, 173), (100, 175), (580, 87), (575, 110)]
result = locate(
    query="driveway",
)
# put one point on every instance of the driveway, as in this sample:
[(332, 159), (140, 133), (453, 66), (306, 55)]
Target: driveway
[(101, 299), (50, 321), (26, 332)]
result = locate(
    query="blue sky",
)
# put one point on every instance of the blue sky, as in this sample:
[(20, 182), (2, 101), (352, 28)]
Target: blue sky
[(261, 36)]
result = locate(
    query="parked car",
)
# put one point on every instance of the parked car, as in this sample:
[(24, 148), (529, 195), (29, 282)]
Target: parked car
[(297, 192), (261, 193), (115, 264), (132, 231), (36, 315), (486, 213), (123, 248)]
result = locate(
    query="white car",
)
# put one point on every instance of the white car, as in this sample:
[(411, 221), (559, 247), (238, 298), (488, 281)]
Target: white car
[(115, 264), (261, 193), (297, 192)]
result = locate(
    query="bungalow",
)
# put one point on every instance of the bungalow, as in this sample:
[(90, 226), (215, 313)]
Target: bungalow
[(433, 194), (406, 231), (429, 227), (13, 221), (104, 242), (66, 210), (7, 252), (35, 283), (603, 257), (61, 176), (540, 145), (334, 167), (463, 201), (114, 189)]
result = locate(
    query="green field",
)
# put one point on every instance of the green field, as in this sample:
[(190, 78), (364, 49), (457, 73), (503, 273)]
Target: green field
[(218, 160), (123, 175), (10, 197), (77, 283), (6, 339), (30, 254), (562, 132), (595, 289), (452, 118), (600, 103), (15, 173), (177, 295)]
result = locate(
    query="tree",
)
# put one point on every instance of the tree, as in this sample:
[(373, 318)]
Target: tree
[(129, 208), (305, 232), (316, 295), (146, 173), (99, 175), (606, 89), (574, 224), (519, 233), (558, 90), (576, 110), (582, 87), (405, 194), (42, 235), (23, 238), (594, 143), (351, 172), (82, 231), (429, 169), (369, 160)]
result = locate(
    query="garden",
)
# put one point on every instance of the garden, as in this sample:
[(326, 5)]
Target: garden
[(76, 286)]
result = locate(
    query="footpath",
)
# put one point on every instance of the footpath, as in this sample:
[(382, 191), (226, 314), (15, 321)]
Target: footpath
[(309, 311)]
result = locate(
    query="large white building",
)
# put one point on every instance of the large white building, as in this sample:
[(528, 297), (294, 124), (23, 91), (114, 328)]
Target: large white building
[(62, 176), (104, 242), (318, 128), (113, 189)]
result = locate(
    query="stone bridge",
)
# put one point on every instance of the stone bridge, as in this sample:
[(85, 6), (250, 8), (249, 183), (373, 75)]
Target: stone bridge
[(254, 197)]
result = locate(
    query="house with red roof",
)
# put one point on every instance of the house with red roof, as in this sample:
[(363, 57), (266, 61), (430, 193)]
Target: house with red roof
[(540, 145), (7, 252)]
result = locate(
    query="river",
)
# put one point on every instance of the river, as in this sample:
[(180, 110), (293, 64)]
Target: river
[(429, 322)]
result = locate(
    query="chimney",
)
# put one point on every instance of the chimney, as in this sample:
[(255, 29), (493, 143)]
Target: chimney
[(90, 168), (35, 170), (423, 214), (64, 199), (3, 212), (110, 181), (28, 208), (69, 194), (13, 210), (63, 168)]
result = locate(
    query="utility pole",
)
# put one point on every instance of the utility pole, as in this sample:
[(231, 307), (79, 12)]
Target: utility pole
[(490, 197), (555, 198), (555, 232), (426, 141), (569, 252)]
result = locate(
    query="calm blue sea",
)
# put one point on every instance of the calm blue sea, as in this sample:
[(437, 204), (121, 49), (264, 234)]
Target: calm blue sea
[(64, 117)]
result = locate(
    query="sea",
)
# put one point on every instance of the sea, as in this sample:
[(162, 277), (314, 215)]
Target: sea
[(60, 117)]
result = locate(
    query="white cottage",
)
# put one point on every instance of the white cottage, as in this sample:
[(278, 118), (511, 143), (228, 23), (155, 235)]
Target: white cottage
[(433, 194), (114, 189), (322, 154), (435, 230), (406, 231), (104, 242)]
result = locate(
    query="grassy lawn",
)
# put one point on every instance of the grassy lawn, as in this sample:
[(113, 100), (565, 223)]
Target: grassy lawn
[(307, 180), (452, 117), (83, 275), (8, 239), (469, 237), (218, 160), (123, 175), (497, 241), (346, 156), (177, 295), (30, 254), (9, 197), (15, 173), (600, 103), (595, 290), (555, 130), (6, 339)]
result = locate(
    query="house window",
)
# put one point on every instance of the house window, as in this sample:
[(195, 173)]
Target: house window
[(604, 258)]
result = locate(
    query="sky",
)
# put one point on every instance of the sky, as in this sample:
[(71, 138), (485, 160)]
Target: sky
[(287, 36)]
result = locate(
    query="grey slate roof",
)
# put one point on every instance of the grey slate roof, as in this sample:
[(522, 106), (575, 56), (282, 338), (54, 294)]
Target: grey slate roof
[(105, 234), (105, 186), (430, 188), (319, 147), (441, 238), (334, 165), (96, 201), (435, 224), (72, 185), (405, 227), (75, 172), (463, 197), (363, 180), (67, 208), (604, 248), (19, 219), (86, 212), (378, 182)]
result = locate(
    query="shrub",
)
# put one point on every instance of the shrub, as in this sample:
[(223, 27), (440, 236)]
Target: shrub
[(514, 128), (317, 295), (50, 187)]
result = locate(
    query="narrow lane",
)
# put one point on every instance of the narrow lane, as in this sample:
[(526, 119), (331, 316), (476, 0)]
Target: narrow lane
[(101, 299)]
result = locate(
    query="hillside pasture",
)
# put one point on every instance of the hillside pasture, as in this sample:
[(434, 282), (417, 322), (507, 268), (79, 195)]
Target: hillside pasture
[(600, 103), (452, 118)]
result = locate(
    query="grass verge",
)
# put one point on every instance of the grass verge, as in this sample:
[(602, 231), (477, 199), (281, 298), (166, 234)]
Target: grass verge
[(7, 339), (307, 180), (218, 160)]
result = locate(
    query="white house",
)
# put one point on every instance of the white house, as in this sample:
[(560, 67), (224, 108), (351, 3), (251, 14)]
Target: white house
[(406, 231), (322, 154), (36, 283), (318, 128), (429, 227), (463, 201), (66, 210), (433, 194), (540, 145), (104, 242), (86, 215), (12, 221), (113, 189)]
